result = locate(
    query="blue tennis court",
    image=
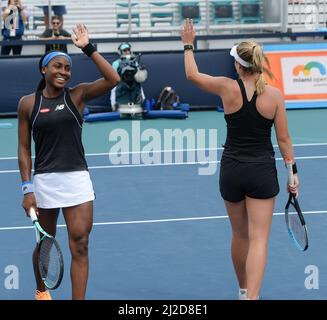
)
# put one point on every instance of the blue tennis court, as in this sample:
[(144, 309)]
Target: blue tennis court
[(160, 230)]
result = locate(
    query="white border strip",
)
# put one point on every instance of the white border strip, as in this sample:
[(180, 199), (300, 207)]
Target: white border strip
[(168, 164), (177, 150), (157, 220)]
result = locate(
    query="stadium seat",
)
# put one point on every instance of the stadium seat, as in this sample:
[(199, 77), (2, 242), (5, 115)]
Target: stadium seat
[(222, 11), (250, 11), (123, 17), (161, 13), (190, 10)]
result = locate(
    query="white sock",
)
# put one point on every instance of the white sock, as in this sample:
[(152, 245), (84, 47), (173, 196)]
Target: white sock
[(242, 294), (249, 299)]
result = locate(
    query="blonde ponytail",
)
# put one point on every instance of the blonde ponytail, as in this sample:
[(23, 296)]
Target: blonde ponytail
[(251, 52), (257, 67), (260, 84)]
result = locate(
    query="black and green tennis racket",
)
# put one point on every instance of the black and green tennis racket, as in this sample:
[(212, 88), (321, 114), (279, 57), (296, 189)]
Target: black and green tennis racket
[(295, 222), (50, 258)]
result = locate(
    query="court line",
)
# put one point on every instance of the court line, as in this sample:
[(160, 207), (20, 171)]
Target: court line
[(159, 220), (168, 164), (171, 150)]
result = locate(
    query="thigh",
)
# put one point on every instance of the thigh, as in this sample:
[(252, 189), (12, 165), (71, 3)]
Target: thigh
[(45, 10), (17, 50), (5, 50), (59, 10), (260, 213), (79, 219), (48, 220), (238, 217)]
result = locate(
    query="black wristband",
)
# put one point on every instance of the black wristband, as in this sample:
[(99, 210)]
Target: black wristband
[(294, 168), (89, 49), (188, 47)]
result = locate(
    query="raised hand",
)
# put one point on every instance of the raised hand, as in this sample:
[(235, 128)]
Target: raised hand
[(80, 36), (188, 32)]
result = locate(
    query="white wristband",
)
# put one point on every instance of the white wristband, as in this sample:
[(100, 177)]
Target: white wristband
[(27, 187)]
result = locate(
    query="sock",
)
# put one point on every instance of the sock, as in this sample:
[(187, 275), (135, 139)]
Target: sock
[(258, 298), (242, 294)]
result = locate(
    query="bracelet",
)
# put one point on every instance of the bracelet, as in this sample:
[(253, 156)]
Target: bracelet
[(27, 187), (294, 168), (89, 49), (188, 47)]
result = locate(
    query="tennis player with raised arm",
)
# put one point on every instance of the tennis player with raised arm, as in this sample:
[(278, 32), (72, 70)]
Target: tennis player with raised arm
[(53, 117), (248, 176)]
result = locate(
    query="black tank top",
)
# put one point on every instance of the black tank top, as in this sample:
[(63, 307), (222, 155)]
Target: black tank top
[(248, 133), (57, 133)]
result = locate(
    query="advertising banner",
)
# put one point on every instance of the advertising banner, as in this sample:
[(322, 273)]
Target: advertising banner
[(300, 72)]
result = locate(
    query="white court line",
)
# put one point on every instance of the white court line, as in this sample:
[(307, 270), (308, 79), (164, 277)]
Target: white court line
[(177, 150), (158, 220), (168, 164)]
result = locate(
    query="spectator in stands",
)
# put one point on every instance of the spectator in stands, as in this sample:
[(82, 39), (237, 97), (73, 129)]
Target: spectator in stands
[(58, 11), (56, 33), (126, 66), (14, 18)]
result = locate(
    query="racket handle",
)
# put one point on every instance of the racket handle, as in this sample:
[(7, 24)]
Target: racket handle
[(290, 173), (33, 215)]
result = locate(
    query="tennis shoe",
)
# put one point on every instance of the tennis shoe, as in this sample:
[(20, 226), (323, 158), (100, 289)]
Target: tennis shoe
[(242, 294), (42, 295)]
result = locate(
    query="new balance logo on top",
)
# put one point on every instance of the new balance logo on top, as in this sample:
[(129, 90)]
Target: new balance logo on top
[(59, 107)]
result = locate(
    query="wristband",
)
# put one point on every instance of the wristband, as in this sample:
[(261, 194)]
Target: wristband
[(188, 47), (89, 49), (27, 187), (294, 168)]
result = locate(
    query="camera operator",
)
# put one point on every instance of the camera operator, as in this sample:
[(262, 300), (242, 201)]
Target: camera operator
[(129, 89)]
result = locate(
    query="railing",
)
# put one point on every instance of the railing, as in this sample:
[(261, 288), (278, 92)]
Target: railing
[(307, 15), (151, 18)]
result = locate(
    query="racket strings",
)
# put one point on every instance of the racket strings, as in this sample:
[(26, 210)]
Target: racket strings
[(49, 262), (298, 230)]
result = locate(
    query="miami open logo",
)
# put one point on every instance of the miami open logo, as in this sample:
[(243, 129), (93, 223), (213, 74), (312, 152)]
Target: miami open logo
[(307, 69)]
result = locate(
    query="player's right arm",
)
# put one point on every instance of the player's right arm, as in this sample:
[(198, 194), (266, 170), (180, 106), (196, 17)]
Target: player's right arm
[(24, 147)]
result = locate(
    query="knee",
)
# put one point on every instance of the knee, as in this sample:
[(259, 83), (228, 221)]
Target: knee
[(241, 234), (79, 246)]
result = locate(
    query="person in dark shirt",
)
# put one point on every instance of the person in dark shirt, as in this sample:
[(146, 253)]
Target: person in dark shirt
[(56, 33), (53, 116), (248, 176)]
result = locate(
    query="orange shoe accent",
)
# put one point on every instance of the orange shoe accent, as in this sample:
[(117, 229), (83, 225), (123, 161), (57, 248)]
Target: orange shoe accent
[(42, 295)]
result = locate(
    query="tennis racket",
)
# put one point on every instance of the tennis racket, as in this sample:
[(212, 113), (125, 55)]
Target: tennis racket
[(49, 256), (295, 222)]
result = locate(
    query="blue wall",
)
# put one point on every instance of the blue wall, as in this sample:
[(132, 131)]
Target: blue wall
[(20, 76)]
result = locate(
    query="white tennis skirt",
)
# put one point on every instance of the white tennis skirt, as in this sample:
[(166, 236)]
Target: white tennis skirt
[(62, 189)]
